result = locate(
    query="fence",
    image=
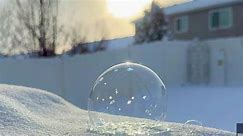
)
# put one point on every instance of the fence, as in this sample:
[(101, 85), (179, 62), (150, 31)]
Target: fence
[(73, 77)]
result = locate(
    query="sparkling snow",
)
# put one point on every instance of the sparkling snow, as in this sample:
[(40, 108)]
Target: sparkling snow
[(27, 111)]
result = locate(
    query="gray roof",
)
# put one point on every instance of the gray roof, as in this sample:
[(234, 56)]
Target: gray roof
[(197, 5)]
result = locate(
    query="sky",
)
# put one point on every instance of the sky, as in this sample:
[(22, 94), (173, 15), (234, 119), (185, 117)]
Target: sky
[(104, 19), (110, 16)]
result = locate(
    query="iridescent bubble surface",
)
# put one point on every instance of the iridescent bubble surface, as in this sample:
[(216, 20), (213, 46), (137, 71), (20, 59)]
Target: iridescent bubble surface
[(127, 89)]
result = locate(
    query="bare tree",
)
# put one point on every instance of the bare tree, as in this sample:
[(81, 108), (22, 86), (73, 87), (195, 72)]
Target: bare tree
[(13, 37), (40, 19), (35, 27), (80, 42)]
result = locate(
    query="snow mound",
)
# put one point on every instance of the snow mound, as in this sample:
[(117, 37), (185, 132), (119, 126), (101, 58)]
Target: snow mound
[(28, 111), (151, 128), (32, 111)]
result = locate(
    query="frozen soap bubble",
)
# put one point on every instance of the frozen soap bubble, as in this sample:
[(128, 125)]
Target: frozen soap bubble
[(127, 89), (192, 131), (193, 122)]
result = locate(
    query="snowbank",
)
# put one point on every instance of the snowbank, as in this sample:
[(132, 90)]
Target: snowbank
[(27, 111), (120, 43)]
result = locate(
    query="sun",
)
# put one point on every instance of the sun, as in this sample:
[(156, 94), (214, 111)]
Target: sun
[(126, 8)]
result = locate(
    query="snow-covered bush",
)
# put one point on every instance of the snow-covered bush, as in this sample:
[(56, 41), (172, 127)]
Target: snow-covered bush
[(152, 26)]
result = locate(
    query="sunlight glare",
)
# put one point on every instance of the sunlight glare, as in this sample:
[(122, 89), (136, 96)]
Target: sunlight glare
[(126, 8)]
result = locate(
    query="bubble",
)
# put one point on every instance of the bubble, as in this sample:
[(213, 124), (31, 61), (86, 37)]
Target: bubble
[(192, 131), (194, 122), (127, 90)]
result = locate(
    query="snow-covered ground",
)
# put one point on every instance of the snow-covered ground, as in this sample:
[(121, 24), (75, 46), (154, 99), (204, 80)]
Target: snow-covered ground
[(217, 107), (27, 111)]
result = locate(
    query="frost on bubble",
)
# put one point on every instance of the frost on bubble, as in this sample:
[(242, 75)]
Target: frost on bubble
[(128, 91)]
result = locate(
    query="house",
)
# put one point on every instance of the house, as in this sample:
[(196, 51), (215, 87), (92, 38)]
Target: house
[(205, 19)]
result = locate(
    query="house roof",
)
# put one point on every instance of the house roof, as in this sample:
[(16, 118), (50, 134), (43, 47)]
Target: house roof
[(197, 5)]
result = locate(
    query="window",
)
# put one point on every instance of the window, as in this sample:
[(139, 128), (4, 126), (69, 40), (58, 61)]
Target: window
[(220, 19), (181, 24)]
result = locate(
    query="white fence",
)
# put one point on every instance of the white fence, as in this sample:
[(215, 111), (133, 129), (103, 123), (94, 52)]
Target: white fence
[(231, 70), (73, 77)]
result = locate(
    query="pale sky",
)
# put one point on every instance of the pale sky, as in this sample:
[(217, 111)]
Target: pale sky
[(104, 18), (97, 12)]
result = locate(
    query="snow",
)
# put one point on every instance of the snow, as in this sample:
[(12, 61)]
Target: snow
[(112, 44), (217, 107), (28, 111), (145, 128), (120, 43), (196, 5)]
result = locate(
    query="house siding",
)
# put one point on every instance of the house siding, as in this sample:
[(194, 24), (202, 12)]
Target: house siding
[(198, 24)]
